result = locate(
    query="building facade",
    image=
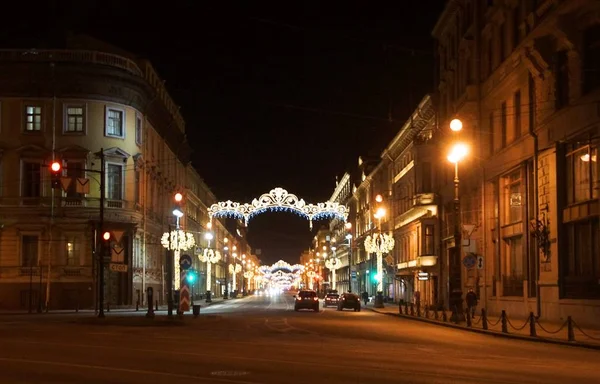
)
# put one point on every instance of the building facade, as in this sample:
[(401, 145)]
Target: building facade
[(522, 77), (90, 110)]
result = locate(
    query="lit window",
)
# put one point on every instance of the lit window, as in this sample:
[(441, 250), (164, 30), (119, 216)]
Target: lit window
[(115, 123), (74, 119), (33, 118)]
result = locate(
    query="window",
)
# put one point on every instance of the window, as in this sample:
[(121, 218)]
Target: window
[(491, 132), (29, 250), (74, 119), (73, 251), (513, 266), (514, 198), (503, 124), (136, 187), (429, 240), (582, 173), (561, 64), (502, 40), (516, 20), (32, 180), (591, 58), (115, 122), (532, 100), (33, 118), (582, 264), (138, 130), (75, 170), (517, 102), (114, 181)]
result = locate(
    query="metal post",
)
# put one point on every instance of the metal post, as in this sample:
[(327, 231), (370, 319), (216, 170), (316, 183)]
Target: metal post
[(30, 284), (102, 250), (455, 280), (170, 257)]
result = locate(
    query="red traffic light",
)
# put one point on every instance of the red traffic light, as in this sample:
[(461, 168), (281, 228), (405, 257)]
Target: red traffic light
[(55, 166), (106, 236)]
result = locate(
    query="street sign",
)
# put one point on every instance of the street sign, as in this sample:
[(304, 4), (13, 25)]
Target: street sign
[(353, 274), (469, 261), (185, 262), (184, 298), (479, 262), (118, 267)]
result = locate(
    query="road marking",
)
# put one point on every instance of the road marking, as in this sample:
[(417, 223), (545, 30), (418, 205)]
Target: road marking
[(126, 370)]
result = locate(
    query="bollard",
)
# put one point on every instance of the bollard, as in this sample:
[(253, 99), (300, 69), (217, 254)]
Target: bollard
[(532, 332), (137, 306), (469, 323), (156, 308), (570, 332), (484, 323), (196, 310), (412, 309), (150, 295), (107, 307), (504, 322)]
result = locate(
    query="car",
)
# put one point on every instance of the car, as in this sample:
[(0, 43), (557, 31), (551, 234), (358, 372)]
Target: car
[(306, 300), (331, 299), (349, 300)]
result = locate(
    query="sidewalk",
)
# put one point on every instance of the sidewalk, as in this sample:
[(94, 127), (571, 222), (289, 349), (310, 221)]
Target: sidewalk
[(124, 309), (515, 327)]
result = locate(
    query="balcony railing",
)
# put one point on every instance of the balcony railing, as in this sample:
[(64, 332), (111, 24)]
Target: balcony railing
[(78, 56)]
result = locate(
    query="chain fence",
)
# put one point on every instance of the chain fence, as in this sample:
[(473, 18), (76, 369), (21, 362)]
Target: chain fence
[(482, 321)]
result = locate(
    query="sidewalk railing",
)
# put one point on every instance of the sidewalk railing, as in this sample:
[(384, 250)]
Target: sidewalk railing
[(531, 326)]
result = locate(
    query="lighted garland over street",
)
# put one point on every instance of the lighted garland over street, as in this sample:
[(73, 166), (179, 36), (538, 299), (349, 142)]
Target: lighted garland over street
[(278, 200)]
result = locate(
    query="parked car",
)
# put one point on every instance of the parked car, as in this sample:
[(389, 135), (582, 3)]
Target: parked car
[(331, 299), (349, 300), (306, 300)]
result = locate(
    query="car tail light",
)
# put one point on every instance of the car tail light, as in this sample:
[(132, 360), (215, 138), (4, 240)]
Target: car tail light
[(315, 298)]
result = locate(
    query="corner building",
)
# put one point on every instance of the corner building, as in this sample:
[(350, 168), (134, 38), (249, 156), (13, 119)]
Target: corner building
[(523, 78), (67, 105)]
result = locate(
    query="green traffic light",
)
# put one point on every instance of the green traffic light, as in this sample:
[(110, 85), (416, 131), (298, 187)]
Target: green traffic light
[(191, 277)]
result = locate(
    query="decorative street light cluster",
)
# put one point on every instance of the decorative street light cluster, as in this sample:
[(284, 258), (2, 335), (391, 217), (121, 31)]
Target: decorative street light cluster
[(177, 241), (209, 256), (379, 243), (333, 264)]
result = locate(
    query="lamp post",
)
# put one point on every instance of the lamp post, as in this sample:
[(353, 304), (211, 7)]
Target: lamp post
[(248, 275), (457, 153), (226, 254), (209, 256), (175, 241), (234, 269), (379, 244)]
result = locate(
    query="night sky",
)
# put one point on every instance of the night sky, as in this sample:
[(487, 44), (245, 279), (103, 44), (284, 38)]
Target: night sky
[(273, 94)]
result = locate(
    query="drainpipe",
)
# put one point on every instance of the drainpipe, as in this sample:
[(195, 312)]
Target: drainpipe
[(534, 135)]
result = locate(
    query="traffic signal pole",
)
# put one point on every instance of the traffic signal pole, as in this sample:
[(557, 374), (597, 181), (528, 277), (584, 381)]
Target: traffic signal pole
[(102, 245)]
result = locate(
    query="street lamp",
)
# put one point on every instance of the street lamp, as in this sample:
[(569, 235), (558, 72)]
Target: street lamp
[(457, 154), (379, 244)]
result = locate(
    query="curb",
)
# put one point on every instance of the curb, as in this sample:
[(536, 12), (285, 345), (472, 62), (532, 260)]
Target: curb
[(493, 333)]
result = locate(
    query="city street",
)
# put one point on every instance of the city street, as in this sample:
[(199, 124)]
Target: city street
[(262, 340)]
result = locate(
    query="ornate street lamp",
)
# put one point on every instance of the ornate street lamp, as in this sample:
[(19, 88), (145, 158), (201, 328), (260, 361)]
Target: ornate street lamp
[(177, 241), (379, 244), (311, 275), (233, 269), (333, 264), (248, 275), (209, 256)]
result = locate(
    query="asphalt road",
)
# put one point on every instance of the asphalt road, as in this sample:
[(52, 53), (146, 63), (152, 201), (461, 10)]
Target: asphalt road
[(262, 340)]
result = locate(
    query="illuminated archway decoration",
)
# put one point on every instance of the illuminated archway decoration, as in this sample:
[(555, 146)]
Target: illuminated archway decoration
[(281, 274), (279, 200)]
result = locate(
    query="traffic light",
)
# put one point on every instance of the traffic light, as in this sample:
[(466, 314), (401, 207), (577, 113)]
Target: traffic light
[(55, 172), (177, 211), (106, 248), (191, 276)]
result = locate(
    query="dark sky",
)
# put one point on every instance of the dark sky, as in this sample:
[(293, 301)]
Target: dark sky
[(274, 93)]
